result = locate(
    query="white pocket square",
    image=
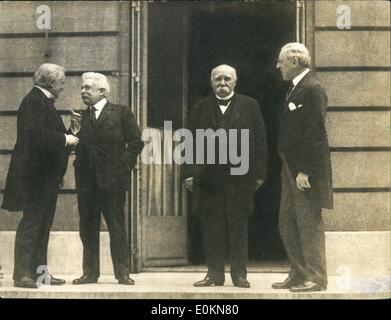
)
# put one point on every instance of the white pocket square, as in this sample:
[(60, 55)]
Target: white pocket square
[(292, 106)]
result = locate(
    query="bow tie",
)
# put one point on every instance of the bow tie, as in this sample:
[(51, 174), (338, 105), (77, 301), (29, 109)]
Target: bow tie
[(223, 102)]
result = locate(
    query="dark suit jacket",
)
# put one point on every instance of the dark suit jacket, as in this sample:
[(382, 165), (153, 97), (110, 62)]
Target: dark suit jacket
[(245, 114), (303, 139), (109, 150), (39, 159)]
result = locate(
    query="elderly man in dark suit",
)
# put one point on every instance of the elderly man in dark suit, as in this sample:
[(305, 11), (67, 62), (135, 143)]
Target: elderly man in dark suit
[(225, 197), (38, 164), (110, 141), (306, 172)]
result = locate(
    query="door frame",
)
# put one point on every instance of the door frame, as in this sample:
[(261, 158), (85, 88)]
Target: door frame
[(138, 69)]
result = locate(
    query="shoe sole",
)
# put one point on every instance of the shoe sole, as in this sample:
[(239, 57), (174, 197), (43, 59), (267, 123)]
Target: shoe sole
[(78, 284), (307, 290), (212, 285), (25, 287)]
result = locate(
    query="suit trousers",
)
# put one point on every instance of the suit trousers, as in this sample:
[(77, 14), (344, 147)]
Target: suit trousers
[(32, 234), (92, 201), (302, 231), (225, 229)]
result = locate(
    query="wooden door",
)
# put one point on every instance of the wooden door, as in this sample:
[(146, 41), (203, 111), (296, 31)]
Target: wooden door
[(162, 97)]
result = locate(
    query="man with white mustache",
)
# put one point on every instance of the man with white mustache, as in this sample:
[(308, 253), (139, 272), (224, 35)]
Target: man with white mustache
[(226, 200), (110, 141)]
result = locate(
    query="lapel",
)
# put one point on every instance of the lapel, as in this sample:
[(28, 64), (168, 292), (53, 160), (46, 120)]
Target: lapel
[(57, 116), (213, 105), (296, 92), (235, 111), (103, 115)]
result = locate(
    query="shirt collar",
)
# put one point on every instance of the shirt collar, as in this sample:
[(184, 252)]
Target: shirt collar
[(227, 97), (46, 92), (100, 104), (298, 78)]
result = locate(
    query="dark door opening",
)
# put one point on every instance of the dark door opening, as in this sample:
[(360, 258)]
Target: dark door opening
[(247, 36)]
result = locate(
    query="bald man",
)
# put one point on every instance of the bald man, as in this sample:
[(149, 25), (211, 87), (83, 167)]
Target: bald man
[(226, 194)]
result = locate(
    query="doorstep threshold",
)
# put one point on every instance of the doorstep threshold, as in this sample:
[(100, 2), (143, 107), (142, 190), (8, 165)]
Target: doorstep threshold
[(257, 267)]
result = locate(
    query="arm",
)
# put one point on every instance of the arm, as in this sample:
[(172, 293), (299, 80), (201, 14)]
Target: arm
[(313, 134), (132, 135), (260, 143), (188, 170), (37, 131)]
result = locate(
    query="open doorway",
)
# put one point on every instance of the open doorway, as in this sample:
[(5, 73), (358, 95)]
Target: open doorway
[(248, 37), (185, 41)]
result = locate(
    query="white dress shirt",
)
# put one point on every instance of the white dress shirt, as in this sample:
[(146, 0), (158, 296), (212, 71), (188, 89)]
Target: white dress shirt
[(99, 107), (224, 108), (298, 78)]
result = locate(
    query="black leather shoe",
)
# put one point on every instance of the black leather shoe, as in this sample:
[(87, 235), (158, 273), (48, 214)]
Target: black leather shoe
[(307, 286), (55, 281), (126, 280), (26, 282), (241, 283), (84, 279), (207, 282), (286, 284)]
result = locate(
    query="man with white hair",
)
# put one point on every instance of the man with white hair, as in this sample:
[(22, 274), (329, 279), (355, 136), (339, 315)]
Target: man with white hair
[(306, 172), (110, 141), (226, 200), (37, 167)]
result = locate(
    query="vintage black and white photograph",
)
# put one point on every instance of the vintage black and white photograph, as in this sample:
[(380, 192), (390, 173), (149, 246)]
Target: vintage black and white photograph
[(195, 150)]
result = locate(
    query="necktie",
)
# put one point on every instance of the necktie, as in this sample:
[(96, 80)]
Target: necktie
[(92, 114), (290, 89)]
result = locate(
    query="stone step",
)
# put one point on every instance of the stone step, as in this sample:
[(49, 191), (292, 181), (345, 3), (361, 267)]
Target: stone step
[(359, 253), (179, 285)]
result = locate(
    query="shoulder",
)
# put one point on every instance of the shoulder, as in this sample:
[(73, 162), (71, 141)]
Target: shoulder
[(245, 99), (113, 105), (203, 103), (34, 99), (246, 102), (118, 107), (313, 84), (35, 94), (121, 112)]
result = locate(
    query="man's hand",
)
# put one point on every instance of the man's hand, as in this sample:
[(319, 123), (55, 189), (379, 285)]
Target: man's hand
[(259, 182), (75, 121), (189, 184), (71, 140), (302, 181), (75, 115)]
